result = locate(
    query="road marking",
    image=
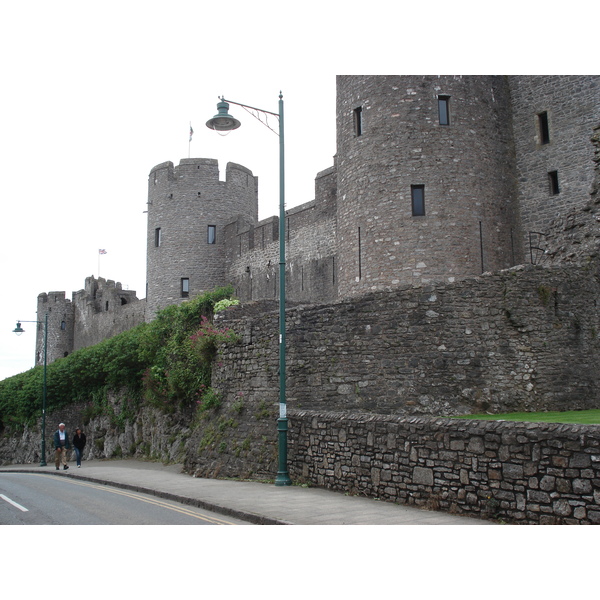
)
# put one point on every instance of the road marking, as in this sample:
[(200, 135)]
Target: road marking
[(156, 502), (14, 503)]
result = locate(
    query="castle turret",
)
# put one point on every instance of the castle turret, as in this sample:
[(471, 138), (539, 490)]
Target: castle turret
[(60, 326), (426, 186), (188, 208)]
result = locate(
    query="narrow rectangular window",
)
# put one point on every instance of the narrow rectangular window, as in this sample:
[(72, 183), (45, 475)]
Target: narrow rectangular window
[(417, 193), (358, 121), (544, 128), (553, 180), (212, 234), (185, 287), (444, 109), (359, 256), (157, 237)]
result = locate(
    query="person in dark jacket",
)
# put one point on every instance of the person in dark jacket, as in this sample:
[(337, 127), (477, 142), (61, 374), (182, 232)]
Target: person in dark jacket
[(61, 445), (79, 445)]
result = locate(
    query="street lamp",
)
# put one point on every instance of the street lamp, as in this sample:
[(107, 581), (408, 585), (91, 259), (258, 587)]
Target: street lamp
[(224, 122), (19, 330)]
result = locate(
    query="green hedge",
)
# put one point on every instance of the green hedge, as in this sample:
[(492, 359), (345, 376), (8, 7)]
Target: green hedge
[(159, 362)]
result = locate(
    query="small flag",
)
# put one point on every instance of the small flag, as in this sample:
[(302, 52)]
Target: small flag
[(191, 132), (101, 251)]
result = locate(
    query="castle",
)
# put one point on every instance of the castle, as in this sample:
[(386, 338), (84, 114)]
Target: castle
[(435, 179)]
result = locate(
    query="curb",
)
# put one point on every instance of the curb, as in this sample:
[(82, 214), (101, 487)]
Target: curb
[(230, 512)]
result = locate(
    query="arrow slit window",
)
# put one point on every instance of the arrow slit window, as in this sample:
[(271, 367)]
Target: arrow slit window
[(212, 234), (417, 193), (444, 109)]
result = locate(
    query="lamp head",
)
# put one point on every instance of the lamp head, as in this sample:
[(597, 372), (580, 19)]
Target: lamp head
[(223, 121), (18, 329)]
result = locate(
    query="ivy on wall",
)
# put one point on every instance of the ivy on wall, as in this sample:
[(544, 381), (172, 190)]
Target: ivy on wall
[(166, 363)]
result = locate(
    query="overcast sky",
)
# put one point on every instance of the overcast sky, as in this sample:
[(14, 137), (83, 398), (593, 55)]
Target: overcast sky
[(96, 94)]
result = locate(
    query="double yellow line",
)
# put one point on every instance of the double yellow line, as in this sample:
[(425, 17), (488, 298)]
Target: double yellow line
[(154, 501)]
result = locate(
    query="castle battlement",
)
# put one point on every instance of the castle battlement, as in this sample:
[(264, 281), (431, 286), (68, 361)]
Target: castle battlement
[(203, 169), (52, 297)]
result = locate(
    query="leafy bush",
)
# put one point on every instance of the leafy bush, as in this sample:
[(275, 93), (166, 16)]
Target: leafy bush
[(159, 361), (225, 303)]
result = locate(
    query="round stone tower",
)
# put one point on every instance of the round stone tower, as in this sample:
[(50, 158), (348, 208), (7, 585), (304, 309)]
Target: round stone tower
[(188, 208), (59, 310), (426, 185)]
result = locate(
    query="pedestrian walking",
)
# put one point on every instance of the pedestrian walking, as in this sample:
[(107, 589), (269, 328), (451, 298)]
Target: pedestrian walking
[(79, 445), (61, 445)]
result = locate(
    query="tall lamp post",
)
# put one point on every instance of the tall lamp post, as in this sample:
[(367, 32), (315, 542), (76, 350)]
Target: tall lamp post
[(223, 121), (19, 330)]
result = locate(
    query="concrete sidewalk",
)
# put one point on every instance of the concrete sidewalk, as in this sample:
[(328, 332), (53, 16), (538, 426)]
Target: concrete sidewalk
[(258, 503)]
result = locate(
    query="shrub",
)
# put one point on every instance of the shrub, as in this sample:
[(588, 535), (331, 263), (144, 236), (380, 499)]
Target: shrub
[(159, 361)]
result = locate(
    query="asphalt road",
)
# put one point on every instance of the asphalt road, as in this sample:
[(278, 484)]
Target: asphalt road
[(41, 499)]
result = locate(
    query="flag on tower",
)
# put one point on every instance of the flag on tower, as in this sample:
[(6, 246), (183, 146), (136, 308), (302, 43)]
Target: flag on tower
[(101, 251), (191, 132)]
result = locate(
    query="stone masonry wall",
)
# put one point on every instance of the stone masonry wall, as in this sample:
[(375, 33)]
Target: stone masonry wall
[(527, 473), (252, 250), (573, 238), (568, 151), (104, 309), (518, 472), (521, 339)]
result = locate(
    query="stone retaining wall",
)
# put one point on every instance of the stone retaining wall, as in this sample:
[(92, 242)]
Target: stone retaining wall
[(528, 473)]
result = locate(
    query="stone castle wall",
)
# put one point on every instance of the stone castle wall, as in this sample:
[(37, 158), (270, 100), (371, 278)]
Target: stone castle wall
[(252, 251), (572, 105), (524, 339), (573, 238), (104, 309)]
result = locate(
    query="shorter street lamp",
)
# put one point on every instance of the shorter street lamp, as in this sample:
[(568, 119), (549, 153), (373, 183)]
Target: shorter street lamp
[(224, 122), (19, 330)]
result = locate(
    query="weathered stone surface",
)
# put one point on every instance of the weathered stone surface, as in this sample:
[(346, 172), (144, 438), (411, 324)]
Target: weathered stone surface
[(476, 481), (423, 476)]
